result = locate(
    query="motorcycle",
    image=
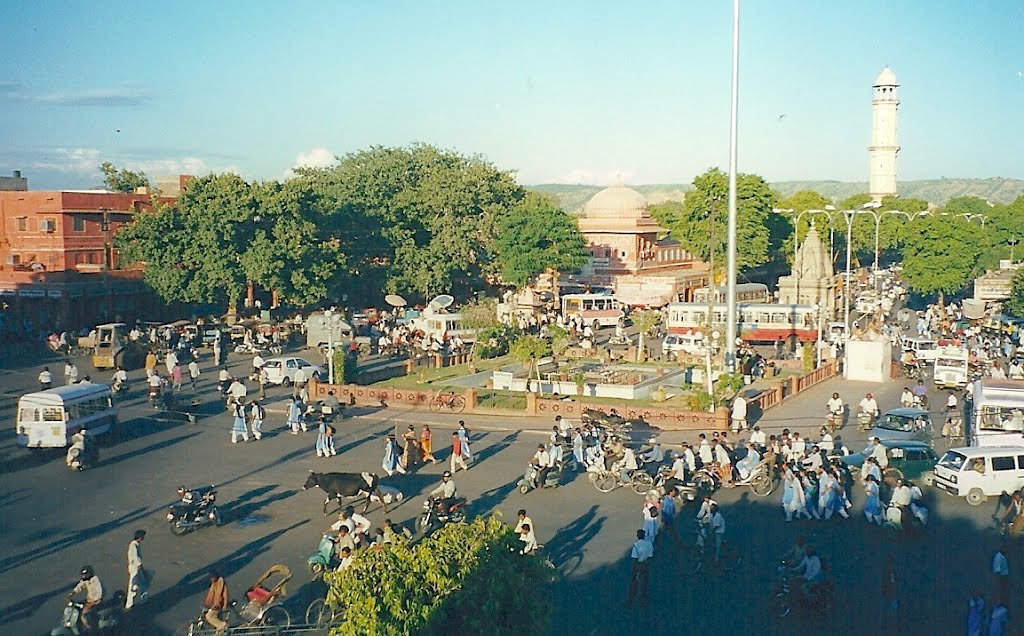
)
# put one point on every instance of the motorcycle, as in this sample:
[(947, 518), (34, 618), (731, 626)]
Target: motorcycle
[(195, 510), (437, 513), (529, 481), (325, 556), (820, 599), (263, 351), (106, 617)]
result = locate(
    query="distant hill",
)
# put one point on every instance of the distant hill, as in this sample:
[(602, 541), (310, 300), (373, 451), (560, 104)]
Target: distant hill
[(938, 191)]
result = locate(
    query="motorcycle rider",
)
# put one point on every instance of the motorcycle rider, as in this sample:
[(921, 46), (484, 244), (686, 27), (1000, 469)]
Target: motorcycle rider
[(90, 584), (76, 453), (541, 464), (907, 398), (656, 455), (446, 492), (920, 394), (809, 572), (746, 465), (835, 408)]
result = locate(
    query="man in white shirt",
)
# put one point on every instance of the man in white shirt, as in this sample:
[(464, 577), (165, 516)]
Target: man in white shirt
[(170, 361), (739, 414), (799, 447), (119, 379), (869, 405), (749, 461), (523, 519), (564, 427), (689, 458), (237, 390), (257, 362), (541, 462), (906, 398), (877, 451), (90, 584), (704, 450), (757, 438), (529, 539), (640, 556), (136, 585), (346, 559), (810, 571), (835, 408), (717, 524), (626, 464), (360, 524), (45, 379)]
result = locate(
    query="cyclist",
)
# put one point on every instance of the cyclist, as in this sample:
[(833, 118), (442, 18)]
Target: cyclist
[(869, 407), (835, 410), (810, 573)]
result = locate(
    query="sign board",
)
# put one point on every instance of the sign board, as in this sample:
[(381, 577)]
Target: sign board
[(54, 293), (31, 293)]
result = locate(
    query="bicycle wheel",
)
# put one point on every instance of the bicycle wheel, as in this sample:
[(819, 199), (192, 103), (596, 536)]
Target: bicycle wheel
[(762, 485), (606, 482), (276, 616), (642, 483), (319, 613), (435, 404), (457, 404)]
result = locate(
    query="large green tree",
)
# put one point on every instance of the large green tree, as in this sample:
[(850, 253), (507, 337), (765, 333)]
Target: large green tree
[(535, 236), (424, 218), (192, 250), (122, 180), (702, 222), (941, 255), (800, 203)]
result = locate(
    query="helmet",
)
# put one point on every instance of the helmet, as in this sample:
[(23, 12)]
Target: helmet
[(447, 473), (87, 572)]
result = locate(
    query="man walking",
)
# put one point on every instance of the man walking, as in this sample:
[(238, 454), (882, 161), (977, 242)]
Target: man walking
[(45, 379), (295, 416), (257, 412), (137, 583), (640, 556), (238, 428), (193, 373)]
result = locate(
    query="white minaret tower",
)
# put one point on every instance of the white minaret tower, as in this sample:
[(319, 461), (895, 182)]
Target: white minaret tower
[(883, 148)]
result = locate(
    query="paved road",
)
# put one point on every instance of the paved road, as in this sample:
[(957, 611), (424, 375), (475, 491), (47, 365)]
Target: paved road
[(53, 521)]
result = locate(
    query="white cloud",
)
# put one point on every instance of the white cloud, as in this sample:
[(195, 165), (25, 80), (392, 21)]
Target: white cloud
[(319, 157), (80, 161), (184, 165), (594, 177)]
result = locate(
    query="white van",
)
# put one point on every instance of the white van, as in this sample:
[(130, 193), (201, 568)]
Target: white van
[(924, 349), (692, 343), (48, 419), (951, 368), (979, 472)]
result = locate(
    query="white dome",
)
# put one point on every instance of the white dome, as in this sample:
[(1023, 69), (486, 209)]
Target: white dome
[(616, 202), (886, 78)]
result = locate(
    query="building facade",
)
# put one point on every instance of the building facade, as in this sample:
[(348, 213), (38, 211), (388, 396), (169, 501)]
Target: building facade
[(627, 254), (883, 149), (58, 264)]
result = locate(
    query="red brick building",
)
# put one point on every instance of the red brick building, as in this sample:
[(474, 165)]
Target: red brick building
[(58, 265)]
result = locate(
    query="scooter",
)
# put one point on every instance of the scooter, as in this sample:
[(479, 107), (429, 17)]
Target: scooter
[(82, 455), (865, 421), (529, 481), (106, 617), (324, 557)]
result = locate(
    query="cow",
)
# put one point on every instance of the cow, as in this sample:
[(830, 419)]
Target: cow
[(341, 485)]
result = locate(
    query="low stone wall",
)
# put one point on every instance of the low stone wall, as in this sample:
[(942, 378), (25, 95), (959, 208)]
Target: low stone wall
[(793, 385)]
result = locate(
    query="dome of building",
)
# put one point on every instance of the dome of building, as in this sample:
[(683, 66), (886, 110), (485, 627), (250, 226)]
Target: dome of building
[(616, 202), (886, 78)]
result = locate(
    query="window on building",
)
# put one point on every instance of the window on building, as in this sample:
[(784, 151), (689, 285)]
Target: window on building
[(92, 258), (79, 223), (23, 224)]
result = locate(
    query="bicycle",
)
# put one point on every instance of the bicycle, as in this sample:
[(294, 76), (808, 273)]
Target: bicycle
[(639, 481), (451, 402), (729, 557)]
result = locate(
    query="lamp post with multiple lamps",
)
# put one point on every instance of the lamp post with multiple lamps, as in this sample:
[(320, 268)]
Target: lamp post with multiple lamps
[(331, 320)]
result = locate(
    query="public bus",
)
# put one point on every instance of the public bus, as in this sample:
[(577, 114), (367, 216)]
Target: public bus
[(757, 322), (745, 293), (48, 419), (596, 310), (998, 413)]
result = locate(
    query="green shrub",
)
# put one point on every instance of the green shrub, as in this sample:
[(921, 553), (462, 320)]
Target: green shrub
[(463, 579)]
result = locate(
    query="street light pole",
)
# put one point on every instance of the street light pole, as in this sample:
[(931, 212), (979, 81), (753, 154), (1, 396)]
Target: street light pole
[(848, 214), (730, 323)]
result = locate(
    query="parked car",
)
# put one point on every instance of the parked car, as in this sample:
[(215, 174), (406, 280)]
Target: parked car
[(692, 343), (282, 370), (904, 424), (913, 460)]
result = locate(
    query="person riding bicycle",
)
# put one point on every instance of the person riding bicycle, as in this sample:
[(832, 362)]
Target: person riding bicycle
[(907, 398), (869, 406), (835, 409), (921, 394), (797, 553), (626, 464), (809, 572)]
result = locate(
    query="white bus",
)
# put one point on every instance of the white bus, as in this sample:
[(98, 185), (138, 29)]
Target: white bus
[(745, 293), (596, 310), (48, 419), (998, 415)]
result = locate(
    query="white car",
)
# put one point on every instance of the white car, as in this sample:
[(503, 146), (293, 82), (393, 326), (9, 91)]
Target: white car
[(282, 370)]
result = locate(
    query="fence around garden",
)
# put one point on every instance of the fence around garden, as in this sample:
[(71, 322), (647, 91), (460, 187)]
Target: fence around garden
[(490, 402)]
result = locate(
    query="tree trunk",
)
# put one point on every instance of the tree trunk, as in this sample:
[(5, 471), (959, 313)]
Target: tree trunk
[(640, 347)]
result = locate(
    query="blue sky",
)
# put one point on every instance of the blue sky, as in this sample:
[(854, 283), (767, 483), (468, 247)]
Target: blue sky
[(568, 91)]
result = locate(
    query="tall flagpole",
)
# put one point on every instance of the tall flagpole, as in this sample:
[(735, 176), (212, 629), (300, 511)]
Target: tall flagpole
[(730, 322)]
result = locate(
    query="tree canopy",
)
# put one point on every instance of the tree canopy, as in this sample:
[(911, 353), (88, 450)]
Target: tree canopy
[(122, 180), (701, 223), (941, 255), (534, 237)]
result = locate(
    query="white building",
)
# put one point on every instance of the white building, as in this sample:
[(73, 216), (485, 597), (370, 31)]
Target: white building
[(883, 148)]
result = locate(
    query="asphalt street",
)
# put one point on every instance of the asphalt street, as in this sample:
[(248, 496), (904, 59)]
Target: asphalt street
[(52, 521)]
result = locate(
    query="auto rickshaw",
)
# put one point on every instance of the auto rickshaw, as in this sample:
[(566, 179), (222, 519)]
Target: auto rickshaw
[(112, 348)]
